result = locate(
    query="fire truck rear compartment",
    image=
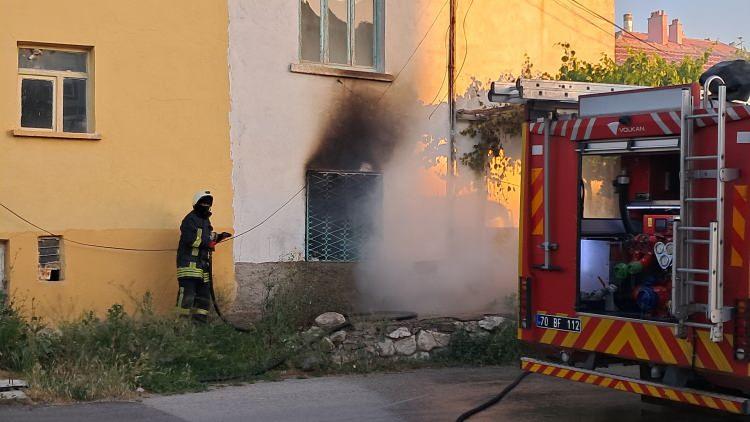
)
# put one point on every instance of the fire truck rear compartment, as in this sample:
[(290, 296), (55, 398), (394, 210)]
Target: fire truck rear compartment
[(628, 203), (622, 259)]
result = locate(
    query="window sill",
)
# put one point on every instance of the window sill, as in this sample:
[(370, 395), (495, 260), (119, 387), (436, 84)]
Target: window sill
[(56, 135), (324, 70)]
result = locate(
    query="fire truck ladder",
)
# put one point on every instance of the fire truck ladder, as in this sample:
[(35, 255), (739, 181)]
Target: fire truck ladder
[(687, 234), (541, 89)]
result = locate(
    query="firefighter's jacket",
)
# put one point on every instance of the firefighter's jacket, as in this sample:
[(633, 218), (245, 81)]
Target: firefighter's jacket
[(193, 250)]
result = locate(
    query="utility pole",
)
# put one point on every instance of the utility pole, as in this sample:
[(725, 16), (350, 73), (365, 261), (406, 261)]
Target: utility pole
[(451, 173)]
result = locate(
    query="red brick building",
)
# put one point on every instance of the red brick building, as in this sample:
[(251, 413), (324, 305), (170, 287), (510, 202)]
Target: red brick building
[(668, 41)]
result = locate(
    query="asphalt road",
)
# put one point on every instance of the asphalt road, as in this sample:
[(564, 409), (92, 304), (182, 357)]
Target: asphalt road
[(423, 395)]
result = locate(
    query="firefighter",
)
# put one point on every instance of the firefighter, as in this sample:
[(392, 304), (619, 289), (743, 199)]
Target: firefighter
[(197, 241)]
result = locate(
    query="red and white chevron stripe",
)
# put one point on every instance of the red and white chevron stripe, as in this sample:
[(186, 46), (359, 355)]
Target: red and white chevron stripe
[(663, 123)]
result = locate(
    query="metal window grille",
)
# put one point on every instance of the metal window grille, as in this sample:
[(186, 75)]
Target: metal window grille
[(340, 213), (50, 264)]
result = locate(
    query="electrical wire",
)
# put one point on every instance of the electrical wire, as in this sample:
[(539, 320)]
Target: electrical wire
[(437, 106), (466, 54), (495, 400), (267, 218), (411, 56), (461, 68), (119, 248), (92, 245), (414, 52), (508, 183), (445, 74), (584, 18), (466, 42), (217, 309), (594, 13)]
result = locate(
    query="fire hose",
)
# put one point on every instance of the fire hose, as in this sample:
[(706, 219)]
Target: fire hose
[(213, 296), (494, 400), (210, 258), (273, 363)]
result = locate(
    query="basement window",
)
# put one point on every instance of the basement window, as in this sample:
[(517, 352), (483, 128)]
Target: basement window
[(341, 214), (55, 91), (342, 32), (50, 263)]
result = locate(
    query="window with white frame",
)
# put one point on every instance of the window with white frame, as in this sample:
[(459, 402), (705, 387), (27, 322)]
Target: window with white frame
[(342, 32), (54, 89)]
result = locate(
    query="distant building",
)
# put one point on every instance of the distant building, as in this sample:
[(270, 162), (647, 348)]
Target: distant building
[(668, 41)]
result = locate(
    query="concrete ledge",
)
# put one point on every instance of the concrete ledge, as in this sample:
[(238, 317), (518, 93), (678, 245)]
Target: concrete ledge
[(324, 70), (25, 133)]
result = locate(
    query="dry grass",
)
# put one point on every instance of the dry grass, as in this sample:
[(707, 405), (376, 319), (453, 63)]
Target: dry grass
[(82, 381)]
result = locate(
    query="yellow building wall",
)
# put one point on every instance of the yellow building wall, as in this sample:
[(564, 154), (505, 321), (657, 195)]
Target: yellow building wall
[(493, 40), (161, 102), (493, 37)]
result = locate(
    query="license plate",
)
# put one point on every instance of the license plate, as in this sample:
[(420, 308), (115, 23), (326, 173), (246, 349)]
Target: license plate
[(558, 323)]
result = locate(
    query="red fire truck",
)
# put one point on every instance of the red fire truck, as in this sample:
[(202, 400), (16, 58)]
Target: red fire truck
[(634, 240)]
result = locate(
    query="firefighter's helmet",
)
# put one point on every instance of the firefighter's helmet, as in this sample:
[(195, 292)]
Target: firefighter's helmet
[(202, 194)]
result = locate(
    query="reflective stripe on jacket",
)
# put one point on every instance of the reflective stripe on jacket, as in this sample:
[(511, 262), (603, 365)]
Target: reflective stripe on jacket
[(193, 250)]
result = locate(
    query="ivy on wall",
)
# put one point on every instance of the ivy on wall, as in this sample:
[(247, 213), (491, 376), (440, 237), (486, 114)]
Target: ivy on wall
[(639, 68)]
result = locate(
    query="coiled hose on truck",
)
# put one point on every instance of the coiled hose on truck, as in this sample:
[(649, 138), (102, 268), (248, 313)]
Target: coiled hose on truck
[(621, 185)]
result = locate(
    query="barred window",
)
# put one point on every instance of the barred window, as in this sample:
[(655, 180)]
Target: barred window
[(50, 262), (341, 210)]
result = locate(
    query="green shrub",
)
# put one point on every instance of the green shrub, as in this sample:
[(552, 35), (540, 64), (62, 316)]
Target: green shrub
[(23, 342), (96, 358), (12, 334), (496, 348)]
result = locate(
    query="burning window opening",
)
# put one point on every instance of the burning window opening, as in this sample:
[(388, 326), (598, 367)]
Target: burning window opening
[(340, 213)]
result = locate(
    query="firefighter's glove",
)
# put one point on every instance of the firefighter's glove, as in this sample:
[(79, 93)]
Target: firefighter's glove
[(212, 245), (223, 236)]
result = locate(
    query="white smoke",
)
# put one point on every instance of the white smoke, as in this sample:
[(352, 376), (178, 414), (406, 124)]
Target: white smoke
[(435, 256)]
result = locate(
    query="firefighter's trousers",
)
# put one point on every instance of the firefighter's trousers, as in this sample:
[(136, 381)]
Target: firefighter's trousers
[(194, 298)]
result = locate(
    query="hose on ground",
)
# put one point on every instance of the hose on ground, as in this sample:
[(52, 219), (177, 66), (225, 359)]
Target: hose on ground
[(495, 400), (273, 363), (278, 360), (213, 298)]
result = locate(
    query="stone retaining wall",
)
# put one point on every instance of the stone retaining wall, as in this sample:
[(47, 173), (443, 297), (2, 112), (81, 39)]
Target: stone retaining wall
[(368, 341)]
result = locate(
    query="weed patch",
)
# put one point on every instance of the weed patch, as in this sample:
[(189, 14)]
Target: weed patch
[(482, 348), (110, 357)]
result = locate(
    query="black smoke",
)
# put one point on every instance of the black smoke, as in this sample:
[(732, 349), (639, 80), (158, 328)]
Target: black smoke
[(359, 136)]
